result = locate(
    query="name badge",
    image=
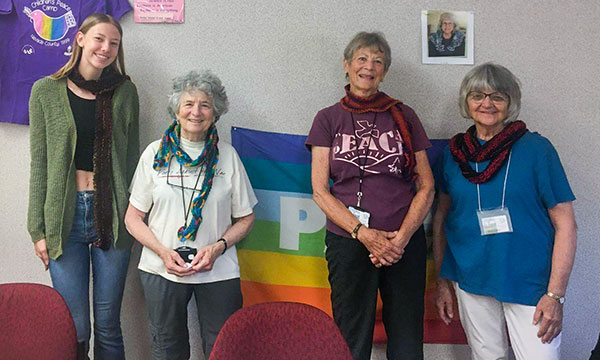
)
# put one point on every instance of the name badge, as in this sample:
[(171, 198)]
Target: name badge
[(361, 214), (495, 221)]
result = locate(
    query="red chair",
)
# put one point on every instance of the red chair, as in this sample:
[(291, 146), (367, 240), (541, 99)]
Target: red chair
[(280, 330), (35, 323)]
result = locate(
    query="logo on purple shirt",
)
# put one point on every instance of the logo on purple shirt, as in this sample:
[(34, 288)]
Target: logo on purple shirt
[(50, 30), (377, 146)]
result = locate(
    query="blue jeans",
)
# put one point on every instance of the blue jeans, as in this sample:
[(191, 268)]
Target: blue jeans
[(70, 275)]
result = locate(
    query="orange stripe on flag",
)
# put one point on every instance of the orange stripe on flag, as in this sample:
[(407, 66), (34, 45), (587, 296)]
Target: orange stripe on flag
[(255, 293)]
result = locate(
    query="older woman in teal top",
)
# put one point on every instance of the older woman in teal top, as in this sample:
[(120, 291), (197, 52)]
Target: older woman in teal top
[(504, 225)]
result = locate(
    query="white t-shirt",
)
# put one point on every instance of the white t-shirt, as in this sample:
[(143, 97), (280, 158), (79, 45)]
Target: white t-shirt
[(231, 196)]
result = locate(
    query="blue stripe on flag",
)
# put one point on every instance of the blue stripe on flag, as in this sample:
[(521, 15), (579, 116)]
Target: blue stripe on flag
[(269, 145), (268, 207)]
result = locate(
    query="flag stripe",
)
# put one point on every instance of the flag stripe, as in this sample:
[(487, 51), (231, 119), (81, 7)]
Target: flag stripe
[(269, 203), (281, 269), (269, 145), (255, 293), (265, 237), (277, 175)]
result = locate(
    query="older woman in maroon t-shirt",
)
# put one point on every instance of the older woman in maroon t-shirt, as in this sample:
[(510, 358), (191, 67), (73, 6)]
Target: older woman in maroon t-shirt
[(373, 148)]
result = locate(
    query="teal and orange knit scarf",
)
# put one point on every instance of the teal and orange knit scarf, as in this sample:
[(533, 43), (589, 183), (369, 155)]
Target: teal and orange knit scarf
[(170, 147)]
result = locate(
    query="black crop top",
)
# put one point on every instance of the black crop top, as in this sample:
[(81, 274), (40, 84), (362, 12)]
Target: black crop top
[(84, 112)]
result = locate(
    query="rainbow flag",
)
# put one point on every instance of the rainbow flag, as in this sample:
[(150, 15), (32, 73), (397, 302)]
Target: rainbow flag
[(283, 257)]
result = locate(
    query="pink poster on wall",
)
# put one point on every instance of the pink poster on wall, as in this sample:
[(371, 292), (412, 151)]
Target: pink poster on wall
[(158, 11)]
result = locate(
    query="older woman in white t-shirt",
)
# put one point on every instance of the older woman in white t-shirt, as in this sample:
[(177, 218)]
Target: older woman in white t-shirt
[(192, 185)]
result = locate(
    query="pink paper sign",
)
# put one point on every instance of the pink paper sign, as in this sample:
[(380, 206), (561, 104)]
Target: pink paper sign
[(158, 11)]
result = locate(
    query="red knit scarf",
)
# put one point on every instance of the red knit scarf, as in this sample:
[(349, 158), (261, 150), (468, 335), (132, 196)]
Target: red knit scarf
[(104, 89), (465, 147), (380, 102)]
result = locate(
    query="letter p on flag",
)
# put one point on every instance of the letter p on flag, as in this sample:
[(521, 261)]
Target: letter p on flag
[(298, 215)]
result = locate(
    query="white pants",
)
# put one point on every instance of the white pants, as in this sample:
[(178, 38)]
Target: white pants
[(484, 320)]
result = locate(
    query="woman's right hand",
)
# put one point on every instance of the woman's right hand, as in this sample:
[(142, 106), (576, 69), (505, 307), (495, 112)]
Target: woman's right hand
[(175, 264), (379, 245), (134, 221), (41, 251), (444, 301)]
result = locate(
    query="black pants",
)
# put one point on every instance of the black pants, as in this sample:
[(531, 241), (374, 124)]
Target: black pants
[(167, 304), (596, 351), (354, 283)]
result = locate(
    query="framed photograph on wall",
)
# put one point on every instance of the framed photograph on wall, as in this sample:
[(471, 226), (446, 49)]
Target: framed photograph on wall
[(447, 37)]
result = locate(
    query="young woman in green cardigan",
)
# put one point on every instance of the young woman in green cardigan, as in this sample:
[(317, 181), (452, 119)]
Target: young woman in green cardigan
[(84, 148)]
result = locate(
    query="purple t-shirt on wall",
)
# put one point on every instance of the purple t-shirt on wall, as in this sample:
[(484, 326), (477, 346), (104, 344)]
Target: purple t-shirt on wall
[(36, 39), (386, 195)]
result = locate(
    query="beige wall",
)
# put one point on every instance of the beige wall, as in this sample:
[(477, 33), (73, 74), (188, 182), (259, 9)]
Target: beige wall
[(281, 62)]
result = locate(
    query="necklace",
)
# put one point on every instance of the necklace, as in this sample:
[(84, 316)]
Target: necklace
[(361, 168)]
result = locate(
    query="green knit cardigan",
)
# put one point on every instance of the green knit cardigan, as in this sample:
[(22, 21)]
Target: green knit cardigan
[(53, 136)]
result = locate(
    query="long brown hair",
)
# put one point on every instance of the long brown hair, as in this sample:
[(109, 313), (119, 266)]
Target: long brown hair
[(118, 65)]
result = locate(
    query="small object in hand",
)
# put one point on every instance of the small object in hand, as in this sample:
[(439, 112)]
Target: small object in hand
[(186, 253)]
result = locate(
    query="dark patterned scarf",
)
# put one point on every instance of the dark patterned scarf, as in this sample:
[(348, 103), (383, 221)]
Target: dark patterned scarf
[(437, 37), (465, 147), (104, 89), (170, 146), (381, 102)]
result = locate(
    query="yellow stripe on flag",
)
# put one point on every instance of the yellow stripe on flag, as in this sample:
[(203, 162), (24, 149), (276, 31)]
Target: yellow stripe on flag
[(282, 269)]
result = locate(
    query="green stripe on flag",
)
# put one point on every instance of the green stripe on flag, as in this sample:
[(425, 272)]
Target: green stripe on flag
[(265, 237)]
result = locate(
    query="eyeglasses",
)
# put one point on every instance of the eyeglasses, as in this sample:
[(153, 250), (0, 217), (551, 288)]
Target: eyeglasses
[(193, 172), (496, 97)]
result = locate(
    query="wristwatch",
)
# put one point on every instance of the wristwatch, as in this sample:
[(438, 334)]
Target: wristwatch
[(354, 233), (559, 299)]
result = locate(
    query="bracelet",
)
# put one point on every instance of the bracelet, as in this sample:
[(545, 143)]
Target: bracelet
[(354, 233), (558, 299), (224, 243)]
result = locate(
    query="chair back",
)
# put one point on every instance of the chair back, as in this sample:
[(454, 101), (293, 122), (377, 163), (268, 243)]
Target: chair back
[(35, 323), (280, 330)]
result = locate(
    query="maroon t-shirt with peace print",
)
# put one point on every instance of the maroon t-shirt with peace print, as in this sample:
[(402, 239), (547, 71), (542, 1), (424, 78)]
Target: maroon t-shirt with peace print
[(374, 141)]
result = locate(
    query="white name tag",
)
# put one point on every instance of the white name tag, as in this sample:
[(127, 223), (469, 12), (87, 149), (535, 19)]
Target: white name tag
[(361, 214), (494, 221)]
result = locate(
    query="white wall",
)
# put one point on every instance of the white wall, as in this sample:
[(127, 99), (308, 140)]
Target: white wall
[(281, 62)]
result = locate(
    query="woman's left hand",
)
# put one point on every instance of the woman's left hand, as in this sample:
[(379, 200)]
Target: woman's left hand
[(205, 258), (549, 314)]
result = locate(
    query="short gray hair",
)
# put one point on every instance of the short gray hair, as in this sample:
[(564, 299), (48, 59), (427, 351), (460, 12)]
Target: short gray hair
[(448, 15), (204, 81), (494, 77), (373, 40)]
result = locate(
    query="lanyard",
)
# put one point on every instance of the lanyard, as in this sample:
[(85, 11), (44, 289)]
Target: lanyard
[(186, 212), (361, 168), (503, 188), (186, 209)]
